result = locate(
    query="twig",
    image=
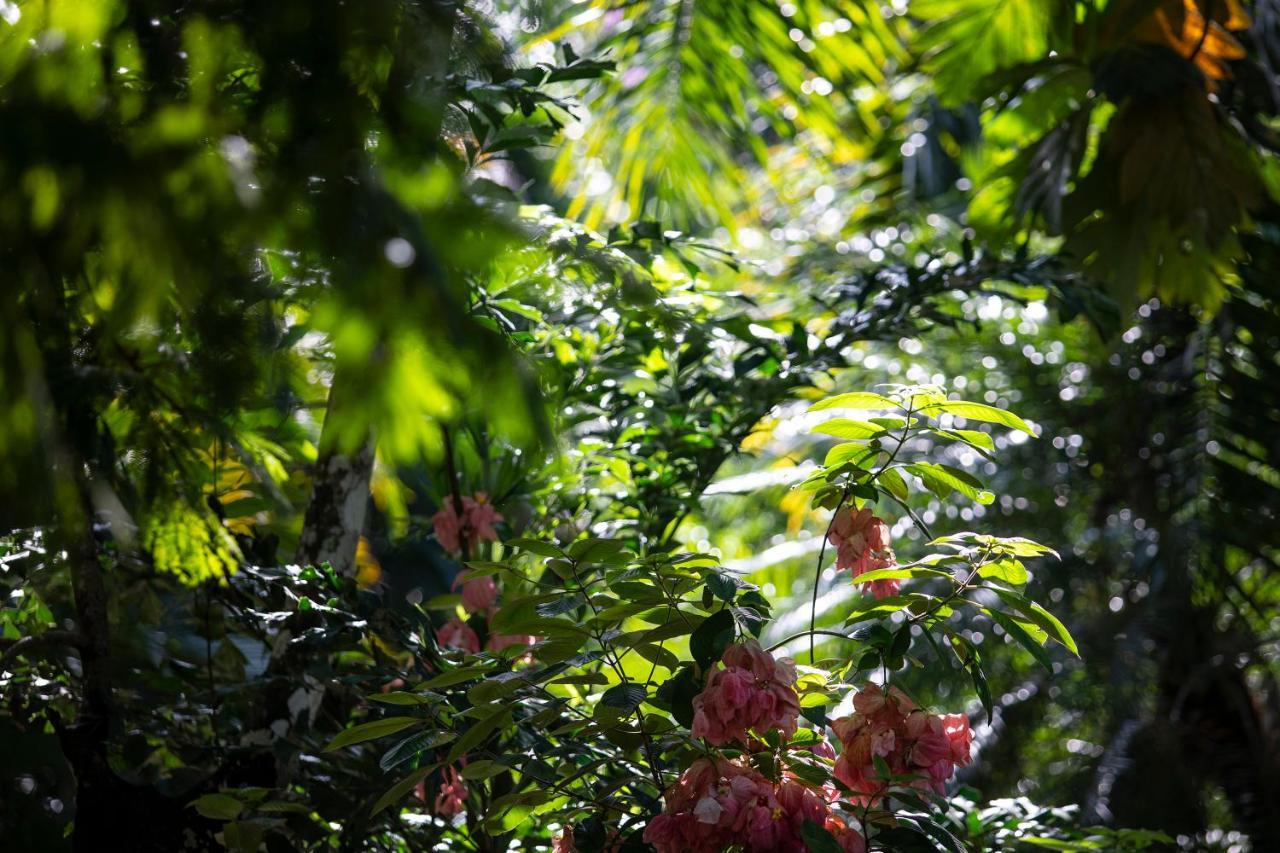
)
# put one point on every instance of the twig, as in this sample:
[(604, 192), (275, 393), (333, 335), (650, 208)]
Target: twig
[(37, 642)]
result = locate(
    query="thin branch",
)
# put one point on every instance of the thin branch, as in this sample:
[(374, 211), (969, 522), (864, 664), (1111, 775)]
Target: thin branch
[(26, 646)]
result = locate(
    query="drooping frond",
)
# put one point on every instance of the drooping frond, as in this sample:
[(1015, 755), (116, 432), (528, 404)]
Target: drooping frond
[(703, 90)]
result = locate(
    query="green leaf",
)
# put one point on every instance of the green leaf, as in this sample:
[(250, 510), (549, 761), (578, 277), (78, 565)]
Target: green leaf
[(900, 573), (1024, 639), (283, 807), (597, 550), (979, 441), (414, 744), (244, 836), (852, 452), (372, 730), (516, 307), (979, 412), (657, 654), (483, 769), (678, 692), (456, 676), (964, 41), (535, 546), (1020, 547), (404, 786), (872, 608), (709, 640), (399, 697), (1041, 617), (1007, 569), (817, 839), (625, 697), (940, 834), (218, 806), (942, 480), (1081, 846), (891, 480), (856, 400), (980, 685), (496, 718), (850, 429), (725, 585), (560, 605)]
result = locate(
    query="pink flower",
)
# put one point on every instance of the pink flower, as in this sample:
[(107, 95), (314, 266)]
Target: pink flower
[(752, 693), (822, 749), (456, 533), (452, 797), (498, 642), (849, 839), (456, 634), (478, 593), (718, 804), (563, 843), (448, 527), (911, 741), (862, 545), (931, 743), (960, 735)]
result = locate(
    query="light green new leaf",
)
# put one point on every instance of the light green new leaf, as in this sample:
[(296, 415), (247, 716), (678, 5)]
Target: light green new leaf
[(855, 400), (942, 480), (1007, 569), (851, 429), (977, 440), (892, 480), (979, 412), (901, 573)]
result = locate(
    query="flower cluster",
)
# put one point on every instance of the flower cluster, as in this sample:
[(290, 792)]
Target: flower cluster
[(456, 634), (753, 692), (718, 803), (457, 532), (478, 594), (861, 540), (452, 798), (910, 741)]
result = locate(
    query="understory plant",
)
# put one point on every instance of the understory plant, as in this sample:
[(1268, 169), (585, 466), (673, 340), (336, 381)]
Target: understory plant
[(598, 693)]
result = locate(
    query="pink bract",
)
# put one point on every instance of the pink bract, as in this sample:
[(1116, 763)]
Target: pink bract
[(456, 634), (478, 594), (717, 804), (753, 692), (498, 642), (908, 739), (452, 798), (456, 531), (862, 544), (563, 843)]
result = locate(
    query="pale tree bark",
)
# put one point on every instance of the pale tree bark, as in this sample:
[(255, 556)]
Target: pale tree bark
[(339, 497)]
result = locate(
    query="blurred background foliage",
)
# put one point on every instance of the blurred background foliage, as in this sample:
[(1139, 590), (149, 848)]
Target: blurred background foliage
[(278, 278)]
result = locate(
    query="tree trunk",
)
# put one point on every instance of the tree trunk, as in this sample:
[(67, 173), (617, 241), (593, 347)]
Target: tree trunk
[(339, 496)]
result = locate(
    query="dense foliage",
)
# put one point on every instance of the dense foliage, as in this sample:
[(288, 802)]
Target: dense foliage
[(436, 425)]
